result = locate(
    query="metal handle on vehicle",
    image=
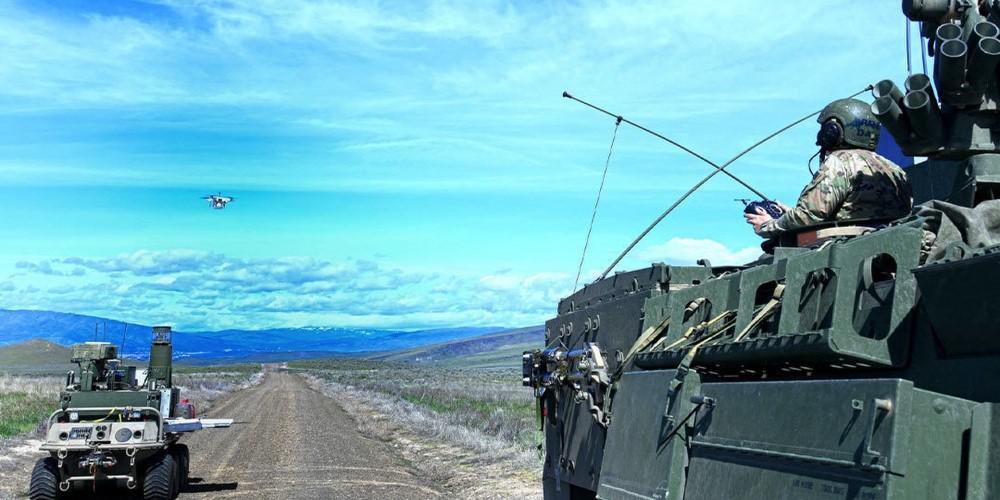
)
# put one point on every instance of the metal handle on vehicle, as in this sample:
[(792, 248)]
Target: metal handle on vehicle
[(878, 406)]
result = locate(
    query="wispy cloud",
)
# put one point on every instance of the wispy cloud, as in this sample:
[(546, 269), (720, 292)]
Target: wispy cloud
[(148, 263), (45, 267), (687, 251), (254, 293), (302, 291)]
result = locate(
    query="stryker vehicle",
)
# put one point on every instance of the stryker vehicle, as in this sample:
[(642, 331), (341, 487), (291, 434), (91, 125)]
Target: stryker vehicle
[(114, 427), (862, 363)]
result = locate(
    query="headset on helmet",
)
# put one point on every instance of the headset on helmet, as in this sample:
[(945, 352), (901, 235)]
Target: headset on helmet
[(847, 123), (830, 135)]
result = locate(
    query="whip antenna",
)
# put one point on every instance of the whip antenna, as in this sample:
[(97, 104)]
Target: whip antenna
[(124, 333), (586, 242), (669, 140), (708, 177)]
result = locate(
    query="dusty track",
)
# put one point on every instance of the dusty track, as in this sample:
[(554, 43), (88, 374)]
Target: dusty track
[(291, 442)]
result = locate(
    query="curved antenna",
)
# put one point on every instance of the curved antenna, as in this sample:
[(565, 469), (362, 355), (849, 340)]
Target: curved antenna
[(669, 140)]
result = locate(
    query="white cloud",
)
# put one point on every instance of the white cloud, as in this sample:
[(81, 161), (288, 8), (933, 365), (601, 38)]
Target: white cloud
[(302, 291), (368, 22), (211, 291), (687, 251)]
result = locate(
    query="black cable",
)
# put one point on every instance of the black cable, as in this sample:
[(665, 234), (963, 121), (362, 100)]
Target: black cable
[(810, 162), (593, 216), (709, 177)]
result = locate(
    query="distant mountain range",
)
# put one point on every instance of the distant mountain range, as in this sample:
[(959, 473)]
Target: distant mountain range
[(18, 326), (492, 350)]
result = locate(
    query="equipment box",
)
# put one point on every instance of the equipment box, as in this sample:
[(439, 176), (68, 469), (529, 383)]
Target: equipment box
[(645, 455), (863, 439)]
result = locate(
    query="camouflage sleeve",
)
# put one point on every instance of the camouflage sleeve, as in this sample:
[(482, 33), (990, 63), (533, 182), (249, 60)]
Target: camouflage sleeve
[(819, 201)]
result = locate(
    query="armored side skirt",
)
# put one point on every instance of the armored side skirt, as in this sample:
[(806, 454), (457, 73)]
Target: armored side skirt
[(802, 439)]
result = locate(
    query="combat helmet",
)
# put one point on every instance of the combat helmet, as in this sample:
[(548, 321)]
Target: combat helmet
[(846, 123)]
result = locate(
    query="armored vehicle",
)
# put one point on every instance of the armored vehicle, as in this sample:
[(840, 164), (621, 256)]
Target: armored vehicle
[(118, 427), (862, 363)]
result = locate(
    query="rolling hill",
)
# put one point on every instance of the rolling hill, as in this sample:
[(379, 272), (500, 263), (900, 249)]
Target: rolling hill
[(494, 350), (271, 344), (35, 356)]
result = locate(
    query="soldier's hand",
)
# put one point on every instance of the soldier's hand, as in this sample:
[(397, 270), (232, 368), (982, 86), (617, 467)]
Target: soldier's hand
[(758, 219), (784, 208)]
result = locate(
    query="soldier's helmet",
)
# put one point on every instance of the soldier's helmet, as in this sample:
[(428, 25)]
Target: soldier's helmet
[(847, 123)]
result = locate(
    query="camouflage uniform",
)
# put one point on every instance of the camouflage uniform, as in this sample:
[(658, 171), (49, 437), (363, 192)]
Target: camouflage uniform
[(850, 184)]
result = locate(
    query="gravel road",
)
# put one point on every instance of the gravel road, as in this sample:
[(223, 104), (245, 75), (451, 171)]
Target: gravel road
[(289, 441)]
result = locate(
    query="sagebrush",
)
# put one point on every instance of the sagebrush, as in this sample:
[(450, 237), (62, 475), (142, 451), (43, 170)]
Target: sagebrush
[(484, 409)]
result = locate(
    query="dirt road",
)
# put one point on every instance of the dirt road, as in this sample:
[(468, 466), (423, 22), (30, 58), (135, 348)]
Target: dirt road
[(291, 442)]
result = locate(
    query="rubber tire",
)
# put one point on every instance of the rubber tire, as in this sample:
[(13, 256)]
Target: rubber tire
[(183, 456), (44, 480), (177, 478), (160, 480)]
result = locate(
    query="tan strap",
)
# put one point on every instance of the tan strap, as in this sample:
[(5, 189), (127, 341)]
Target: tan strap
[(647, 337), (685, 365), (703, 325), (763, 313)]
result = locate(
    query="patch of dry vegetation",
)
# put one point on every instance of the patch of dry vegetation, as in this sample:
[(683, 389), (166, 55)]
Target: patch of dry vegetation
[(472, 430), (25, 402), (203, 388)]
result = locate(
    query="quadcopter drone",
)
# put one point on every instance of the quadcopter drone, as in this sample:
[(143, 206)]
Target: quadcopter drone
[(217, 201)]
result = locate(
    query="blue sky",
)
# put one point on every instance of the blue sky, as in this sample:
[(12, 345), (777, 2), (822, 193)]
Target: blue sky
[(396, 164)]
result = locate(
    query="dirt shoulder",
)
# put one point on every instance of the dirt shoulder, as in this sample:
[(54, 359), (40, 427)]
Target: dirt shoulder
[(17, 457)]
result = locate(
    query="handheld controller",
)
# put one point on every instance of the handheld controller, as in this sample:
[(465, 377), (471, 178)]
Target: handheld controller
[(769, 206)]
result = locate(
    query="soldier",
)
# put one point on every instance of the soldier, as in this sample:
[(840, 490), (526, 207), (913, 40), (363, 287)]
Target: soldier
[(853, 182)]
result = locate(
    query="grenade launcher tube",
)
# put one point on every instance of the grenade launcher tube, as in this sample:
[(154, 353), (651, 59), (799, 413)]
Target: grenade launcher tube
[(950, 65), (888, 88), (925, 117), (891, 115), (983, 62), (920, 81)]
